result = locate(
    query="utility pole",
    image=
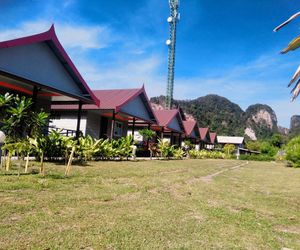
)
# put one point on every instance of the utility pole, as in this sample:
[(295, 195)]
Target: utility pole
[(171, 42)]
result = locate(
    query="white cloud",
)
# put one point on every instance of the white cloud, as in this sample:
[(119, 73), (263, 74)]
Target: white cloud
[(70, 35), (125, 74)]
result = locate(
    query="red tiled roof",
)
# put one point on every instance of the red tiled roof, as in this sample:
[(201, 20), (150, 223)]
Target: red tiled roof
[(213, 137), (189, 126), (50, 36), (203, 132), (164, 117), (113, 99)]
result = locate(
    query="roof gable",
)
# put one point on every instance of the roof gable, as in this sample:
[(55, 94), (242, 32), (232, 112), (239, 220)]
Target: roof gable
[(191, 128), (213, 137), (41, 58), (204, 134), (170, 119)]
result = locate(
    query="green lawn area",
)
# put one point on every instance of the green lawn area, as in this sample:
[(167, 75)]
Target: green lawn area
[(152, 205)]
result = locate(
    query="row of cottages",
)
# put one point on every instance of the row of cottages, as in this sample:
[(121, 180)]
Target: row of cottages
[(37, 66)]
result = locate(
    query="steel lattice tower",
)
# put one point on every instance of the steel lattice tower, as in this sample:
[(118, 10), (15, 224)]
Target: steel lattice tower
[(171, 42)]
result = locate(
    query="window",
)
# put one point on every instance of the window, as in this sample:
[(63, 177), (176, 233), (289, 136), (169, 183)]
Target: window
[(118, 129)]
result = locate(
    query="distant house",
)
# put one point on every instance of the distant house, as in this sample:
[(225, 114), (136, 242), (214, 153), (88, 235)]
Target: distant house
[(110, 120), (204, 136), (169, 126), (239, 142), (213, 138), (191, 131), (37, 66)]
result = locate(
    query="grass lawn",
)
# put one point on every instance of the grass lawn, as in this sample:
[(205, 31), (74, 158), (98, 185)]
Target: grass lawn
[(152, 205)]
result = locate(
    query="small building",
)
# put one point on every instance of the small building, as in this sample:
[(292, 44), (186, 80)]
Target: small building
[(169, 126), (118, 108), (191, 131), (213, 140), (204, 136), (37, 66), (238, 142)]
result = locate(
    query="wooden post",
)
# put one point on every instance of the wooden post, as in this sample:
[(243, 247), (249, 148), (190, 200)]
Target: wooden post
[(180, 140), (162, 133), (34, 97), (171, 139), (112, 126), (148, 138), (133, 126), (78, 119)]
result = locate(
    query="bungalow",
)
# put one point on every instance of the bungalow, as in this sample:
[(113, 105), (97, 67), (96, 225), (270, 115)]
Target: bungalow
[(169, 125), (110, 120), (191, 131), (204, 136), (237, 141), (38, 66), (213, 140)]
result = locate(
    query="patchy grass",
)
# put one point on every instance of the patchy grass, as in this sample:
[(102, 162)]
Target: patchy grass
[(152, 205)]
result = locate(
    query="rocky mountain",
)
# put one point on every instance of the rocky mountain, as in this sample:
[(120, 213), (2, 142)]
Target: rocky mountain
[(295, 125), (227, 118), (260, 121), (283, 130)]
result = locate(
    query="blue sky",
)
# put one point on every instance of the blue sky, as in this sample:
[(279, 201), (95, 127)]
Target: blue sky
[(223, 47)]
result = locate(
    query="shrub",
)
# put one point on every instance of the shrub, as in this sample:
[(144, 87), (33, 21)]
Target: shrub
[(178, 154), (229, 149), (165, 148), (268, 149), (260, 157), (293, 152), (205, 154)]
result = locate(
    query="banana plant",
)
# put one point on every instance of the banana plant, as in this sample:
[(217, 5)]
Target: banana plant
[(293, 45)]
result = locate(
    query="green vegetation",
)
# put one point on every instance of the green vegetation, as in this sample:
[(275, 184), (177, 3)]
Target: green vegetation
[(205, 154), (268, 148), (224, 116), (229, 149), (147, 134), (293, 152), (152, 205)]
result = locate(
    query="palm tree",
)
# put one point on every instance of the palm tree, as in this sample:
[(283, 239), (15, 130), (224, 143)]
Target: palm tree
[(293, 45)]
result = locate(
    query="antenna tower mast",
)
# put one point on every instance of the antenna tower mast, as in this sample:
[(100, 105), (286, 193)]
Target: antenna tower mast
[(171, 42)]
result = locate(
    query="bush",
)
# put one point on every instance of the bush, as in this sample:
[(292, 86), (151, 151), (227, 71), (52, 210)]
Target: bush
[(178, 154), (268, 149), (260, 157), (229, 149), (293, 152), (205, 154), (165, 148)]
